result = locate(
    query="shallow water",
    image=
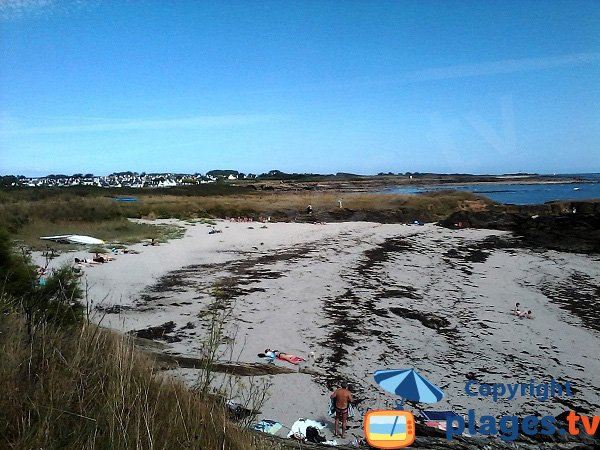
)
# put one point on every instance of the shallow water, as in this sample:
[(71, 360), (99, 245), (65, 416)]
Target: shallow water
[(517, 194)]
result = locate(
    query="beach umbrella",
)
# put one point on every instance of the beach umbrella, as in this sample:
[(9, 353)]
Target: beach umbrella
[(408, 384)]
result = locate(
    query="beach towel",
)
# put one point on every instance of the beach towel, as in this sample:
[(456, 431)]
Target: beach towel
[(268, 426), (293, 359), (331, 410)]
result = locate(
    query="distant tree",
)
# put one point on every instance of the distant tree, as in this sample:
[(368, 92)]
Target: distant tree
[(77, 175), (89, 175), (222, 173), (123, 174), (8, 181)]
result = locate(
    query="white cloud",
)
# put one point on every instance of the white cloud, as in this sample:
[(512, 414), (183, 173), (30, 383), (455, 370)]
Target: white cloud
[(481, 69), (9, 126), (500, 67), (21, 9), (15, 9)]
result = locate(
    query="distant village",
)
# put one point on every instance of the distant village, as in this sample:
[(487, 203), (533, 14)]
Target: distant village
[(165, 180), (126, 179)]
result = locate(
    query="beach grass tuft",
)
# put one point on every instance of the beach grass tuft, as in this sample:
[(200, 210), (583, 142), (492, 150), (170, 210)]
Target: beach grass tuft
[(91, 388)]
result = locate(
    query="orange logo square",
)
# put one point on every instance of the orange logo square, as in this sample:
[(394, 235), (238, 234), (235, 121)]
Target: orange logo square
[(389, 429)]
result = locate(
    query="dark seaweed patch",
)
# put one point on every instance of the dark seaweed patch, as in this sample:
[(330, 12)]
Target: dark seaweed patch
[(160, 332), (400, 292), (579, 295), (380, 254), (113, 309), (429, 320)]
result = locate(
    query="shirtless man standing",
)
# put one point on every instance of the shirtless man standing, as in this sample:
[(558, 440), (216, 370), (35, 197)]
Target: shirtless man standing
[(343, 398)]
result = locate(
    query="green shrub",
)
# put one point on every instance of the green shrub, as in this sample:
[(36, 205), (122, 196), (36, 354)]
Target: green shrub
[(54, 299)]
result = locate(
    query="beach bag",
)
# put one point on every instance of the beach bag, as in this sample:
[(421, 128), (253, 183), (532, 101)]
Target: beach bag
[(313, 435)]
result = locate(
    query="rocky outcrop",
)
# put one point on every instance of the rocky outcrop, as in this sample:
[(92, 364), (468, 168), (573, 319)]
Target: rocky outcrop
[(574, 228)]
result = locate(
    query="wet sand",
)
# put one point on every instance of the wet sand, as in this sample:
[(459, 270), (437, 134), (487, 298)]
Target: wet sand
[(364, 297)]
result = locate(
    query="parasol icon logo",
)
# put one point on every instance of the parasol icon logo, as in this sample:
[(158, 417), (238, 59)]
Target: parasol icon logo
[(389, 429)]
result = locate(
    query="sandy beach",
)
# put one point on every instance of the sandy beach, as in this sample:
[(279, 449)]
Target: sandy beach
[(364, 297)]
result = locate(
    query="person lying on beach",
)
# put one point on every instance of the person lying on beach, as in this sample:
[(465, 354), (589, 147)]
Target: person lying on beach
[(86, 262), (99, 259), (102, 257), (271, 355), (526, 315)]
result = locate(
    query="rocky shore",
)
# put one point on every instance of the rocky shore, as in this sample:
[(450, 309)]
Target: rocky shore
[(568, 227)]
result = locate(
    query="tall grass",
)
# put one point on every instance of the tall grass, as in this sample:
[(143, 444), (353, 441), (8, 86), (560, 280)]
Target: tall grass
[(88, 212), (89, 388)]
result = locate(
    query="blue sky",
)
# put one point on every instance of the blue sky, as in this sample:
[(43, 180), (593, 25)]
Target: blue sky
[(305, 86)]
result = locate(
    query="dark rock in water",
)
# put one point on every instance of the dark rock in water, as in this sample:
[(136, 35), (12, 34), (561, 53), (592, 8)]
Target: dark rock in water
[(564, 231)]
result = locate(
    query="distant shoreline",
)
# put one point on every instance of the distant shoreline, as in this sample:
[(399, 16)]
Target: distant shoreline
[(377, 183)]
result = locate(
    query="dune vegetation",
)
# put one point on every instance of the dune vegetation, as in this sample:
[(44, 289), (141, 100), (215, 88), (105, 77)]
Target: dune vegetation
[(31, 213), (68, 383)]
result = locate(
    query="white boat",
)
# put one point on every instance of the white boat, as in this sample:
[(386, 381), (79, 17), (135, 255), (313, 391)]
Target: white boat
[(74, 239)]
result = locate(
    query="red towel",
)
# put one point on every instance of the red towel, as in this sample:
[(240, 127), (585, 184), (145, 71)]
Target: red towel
[(290, 358)]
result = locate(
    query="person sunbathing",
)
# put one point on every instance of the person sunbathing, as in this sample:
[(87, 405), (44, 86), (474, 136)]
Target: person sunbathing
[(271, 355), (102, 257), (526, 315), (517, 310), (85, 262)]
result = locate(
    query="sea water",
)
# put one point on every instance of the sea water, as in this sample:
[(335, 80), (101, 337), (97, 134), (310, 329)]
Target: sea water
[(518, 194)]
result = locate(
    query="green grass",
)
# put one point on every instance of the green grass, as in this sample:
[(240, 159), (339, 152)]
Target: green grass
[(29, 214), (115, 232), (90, 388)]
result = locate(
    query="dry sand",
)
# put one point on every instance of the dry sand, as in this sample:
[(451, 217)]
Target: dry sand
[(366, 296)]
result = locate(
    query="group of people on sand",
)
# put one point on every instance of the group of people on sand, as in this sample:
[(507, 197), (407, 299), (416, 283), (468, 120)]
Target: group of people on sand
[(521, 313), (249, 219)]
